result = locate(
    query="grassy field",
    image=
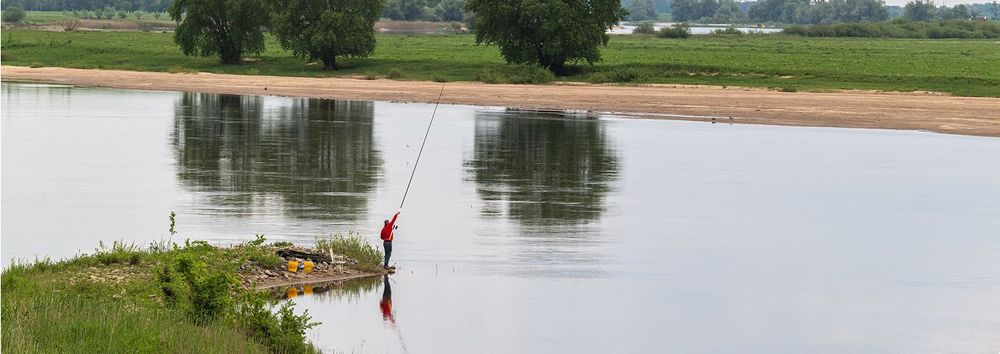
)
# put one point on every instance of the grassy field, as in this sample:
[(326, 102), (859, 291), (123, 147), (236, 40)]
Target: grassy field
[(961, 67), (167, 298)]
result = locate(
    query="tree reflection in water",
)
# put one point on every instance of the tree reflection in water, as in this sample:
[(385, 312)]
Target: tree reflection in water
[(543, 169), (317, 157)]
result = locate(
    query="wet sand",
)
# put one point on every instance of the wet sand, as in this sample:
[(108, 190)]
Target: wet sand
[(848, 109)]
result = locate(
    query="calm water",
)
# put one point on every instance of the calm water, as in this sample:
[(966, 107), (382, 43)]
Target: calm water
[(537, 233)]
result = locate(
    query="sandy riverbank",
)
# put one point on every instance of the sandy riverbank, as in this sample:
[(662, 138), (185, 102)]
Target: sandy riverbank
[(849, 109)]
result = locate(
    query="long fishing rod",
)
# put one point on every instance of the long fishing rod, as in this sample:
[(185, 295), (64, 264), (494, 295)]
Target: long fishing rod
[(422, 146)]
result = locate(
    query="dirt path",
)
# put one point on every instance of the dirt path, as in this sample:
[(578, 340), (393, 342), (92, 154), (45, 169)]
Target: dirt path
[(850, 109)]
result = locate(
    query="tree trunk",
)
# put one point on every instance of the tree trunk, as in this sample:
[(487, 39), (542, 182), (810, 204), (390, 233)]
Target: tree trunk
[(329, 62), (229, 55)]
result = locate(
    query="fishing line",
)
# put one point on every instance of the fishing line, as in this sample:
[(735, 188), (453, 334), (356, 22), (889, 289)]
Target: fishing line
[(422, 146)]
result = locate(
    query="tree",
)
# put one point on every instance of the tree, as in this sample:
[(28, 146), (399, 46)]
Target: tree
[(641, 10), (320, 29), (547, 32), (995, 8), (920, 10), (13, 14), (956, 12), (450, 10), (728, 12), (228, 28)]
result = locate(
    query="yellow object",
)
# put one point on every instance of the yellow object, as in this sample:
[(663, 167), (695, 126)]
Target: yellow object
[(308, 266), (292, 292), (307, 290), (293, 266)]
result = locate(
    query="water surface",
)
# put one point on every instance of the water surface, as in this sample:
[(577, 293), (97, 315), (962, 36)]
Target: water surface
[(537, 233)]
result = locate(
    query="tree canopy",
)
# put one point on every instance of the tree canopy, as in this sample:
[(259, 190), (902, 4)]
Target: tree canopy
[(920, 10), (641, 10), (549, 33), (320, 29), (227, 28)]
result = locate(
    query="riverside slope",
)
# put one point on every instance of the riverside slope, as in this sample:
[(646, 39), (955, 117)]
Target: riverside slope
[(847, 109)]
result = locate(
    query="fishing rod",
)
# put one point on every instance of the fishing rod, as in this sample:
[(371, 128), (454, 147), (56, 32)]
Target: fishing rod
[(436, 104)]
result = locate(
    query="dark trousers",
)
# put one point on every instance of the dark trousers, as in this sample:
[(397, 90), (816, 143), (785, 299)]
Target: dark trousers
[(388, 252)]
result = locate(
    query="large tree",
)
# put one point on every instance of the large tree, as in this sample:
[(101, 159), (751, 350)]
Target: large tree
[(228, 28), (642, 10), (326, 29), (547, 32), (920, 10)]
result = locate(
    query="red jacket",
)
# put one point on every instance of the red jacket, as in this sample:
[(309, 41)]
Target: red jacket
[(387, 229)]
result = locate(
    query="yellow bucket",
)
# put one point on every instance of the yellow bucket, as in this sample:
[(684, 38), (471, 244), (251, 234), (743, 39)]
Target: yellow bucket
[(307, 290), (307, 266), (292, 292), (293, 266)]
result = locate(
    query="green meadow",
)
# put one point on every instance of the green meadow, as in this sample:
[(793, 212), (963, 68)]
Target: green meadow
[(790, 63)]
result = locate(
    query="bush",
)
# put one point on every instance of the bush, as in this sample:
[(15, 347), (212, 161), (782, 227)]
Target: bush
[(13, 14), (282, 330), (394, 74), (516, 74), (353, 246), (644, 27), (618, 75), (728, 31), (679, 30)]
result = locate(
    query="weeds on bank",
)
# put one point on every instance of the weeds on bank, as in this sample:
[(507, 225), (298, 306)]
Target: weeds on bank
[(353, 246), (515, 74), (196, 303)]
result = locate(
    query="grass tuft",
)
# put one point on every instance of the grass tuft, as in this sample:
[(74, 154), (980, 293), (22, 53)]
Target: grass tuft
[(354, 247)]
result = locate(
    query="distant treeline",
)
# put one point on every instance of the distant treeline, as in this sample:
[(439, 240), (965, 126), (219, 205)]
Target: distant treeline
[(821, 11), (70, 5), (902, 29), (425, 10)]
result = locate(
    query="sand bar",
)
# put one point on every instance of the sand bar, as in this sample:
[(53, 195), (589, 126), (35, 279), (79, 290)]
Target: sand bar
[(848, 109)]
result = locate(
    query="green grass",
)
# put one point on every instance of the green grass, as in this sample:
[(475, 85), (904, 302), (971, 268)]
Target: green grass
[(167, 298), (353, 246), (961, 67)]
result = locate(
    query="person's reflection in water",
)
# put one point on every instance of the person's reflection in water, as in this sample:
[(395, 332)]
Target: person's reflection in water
[(386, 304)]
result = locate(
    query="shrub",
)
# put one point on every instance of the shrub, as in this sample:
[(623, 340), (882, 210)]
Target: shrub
[(394, 74), (516, 74), (138, 15), (369, 75), (618, 75), (679, 30), (122, 14), (352, 246), (282, 330), (644, 27), (728, 31), (70, 24), (13, 14)]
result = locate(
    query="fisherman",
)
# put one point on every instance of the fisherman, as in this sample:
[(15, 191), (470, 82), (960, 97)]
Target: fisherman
[(387, 237)]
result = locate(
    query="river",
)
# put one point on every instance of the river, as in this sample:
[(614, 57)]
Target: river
[(531, 232)]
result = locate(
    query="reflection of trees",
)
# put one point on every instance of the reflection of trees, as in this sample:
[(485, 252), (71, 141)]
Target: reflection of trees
[(317, 156), (548, 171)]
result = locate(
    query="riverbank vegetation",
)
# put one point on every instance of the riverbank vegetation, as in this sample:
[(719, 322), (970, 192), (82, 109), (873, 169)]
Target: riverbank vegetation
[(165, 298), (962, 67), (902, 29)]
